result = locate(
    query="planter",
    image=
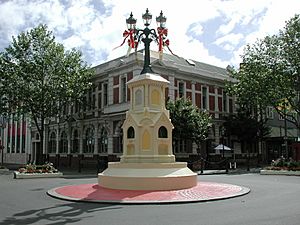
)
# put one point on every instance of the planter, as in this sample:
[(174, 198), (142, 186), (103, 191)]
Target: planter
[(18, 175), (280, 172)]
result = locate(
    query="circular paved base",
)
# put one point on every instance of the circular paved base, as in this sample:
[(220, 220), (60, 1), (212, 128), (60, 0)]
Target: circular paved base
[(204, 191)]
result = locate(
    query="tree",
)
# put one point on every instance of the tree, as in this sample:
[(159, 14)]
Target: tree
[(269, 74), (245, 126), (190, 123), (40, 77)]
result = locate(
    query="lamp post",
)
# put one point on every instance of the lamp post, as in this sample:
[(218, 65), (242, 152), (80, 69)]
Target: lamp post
[(146, 35)]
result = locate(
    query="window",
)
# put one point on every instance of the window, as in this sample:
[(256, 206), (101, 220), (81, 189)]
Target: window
[(130, 133), (91, 99), (105, 94), (89, 142), (123, 89), (75, 142), (181, 89), (162, 132), (183, 146), (52, 143), (270, 112), (63, 144), (103, 141), (224, 102), (204, 97)]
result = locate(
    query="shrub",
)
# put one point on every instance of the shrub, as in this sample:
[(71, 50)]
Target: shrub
[(284, 164), (31, 168)]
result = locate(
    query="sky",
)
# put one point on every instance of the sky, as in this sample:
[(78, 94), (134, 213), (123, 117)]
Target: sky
[(209, 31)]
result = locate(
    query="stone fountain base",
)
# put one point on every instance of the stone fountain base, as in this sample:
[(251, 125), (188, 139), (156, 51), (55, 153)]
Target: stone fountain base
[(147, 176)]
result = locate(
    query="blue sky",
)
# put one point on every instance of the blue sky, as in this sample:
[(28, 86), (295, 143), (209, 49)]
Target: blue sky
[(210, 31)]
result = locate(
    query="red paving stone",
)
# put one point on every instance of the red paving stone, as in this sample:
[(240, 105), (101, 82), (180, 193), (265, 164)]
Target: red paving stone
[(204, 191)]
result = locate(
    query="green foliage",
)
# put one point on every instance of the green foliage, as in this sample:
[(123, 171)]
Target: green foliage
[(245, 126), (189, 121), (270, 72), (39, 77), (283, 163)]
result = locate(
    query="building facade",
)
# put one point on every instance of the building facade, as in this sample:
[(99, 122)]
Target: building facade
[(15, 136), (92, 131)]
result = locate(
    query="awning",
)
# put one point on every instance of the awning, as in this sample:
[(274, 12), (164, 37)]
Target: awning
[(222, 147)]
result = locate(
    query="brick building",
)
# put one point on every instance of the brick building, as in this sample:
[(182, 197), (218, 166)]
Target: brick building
[(93, 130)]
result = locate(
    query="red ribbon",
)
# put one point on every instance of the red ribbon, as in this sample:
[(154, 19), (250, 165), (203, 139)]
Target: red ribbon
[(162, 41), (131, 42), (162, 33)]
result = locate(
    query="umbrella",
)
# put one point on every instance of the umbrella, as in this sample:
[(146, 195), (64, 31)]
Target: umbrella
[(222, 147)]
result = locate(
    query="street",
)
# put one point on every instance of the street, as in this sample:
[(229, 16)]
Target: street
[(273, 200)]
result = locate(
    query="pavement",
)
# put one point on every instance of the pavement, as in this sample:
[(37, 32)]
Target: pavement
[(88, 172), (230, 171), (273, 200)]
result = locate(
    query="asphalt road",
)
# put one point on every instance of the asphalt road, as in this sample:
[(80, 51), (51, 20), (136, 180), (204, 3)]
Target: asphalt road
[(273, 200)]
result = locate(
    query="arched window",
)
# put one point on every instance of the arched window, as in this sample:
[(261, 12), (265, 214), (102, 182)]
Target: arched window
[(130, 133), (162, 132), (63, 143), (52, 143), (89, 142), (75, 142), (103, 141)]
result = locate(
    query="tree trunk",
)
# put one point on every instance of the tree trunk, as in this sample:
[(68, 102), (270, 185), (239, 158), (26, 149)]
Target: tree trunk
[(39, 148)]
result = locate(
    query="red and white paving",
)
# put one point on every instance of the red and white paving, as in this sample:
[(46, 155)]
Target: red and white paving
[(203, 191)]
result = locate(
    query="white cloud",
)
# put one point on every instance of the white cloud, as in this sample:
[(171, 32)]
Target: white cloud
[(73, 42), (232, 38), (197, 29)]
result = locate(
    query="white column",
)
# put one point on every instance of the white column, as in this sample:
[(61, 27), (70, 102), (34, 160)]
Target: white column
[(217, 110), (16, 135), (5, 135), (193, 93), (21, 132), (110, 90), (11, 129), (171, 88), (96, 150)]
